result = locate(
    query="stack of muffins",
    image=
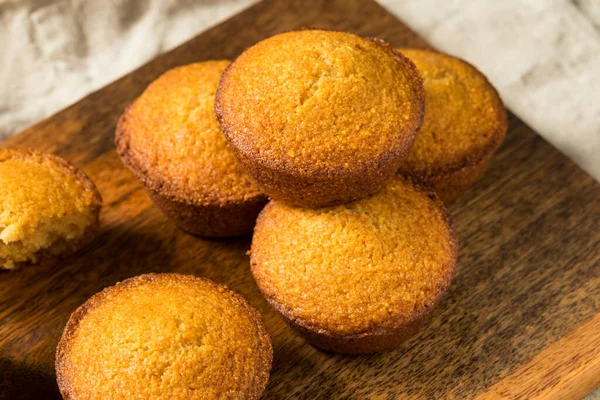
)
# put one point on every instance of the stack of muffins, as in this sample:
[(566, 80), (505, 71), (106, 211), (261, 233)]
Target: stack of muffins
[(356, 144)]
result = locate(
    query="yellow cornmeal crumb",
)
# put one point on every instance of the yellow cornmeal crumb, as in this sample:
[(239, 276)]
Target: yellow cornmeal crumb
[(375, 263), (43, 206), (174, 140), (464, 119), (164, 336)]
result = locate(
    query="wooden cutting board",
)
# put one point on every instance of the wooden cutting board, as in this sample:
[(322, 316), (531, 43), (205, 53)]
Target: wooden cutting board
[(522, 319)]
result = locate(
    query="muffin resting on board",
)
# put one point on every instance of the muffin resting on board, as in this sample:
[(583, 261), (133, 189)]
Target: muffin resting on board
[(464, 124), (359, 277), (170, 139), (48, 208), (320, 117), (164, 336)]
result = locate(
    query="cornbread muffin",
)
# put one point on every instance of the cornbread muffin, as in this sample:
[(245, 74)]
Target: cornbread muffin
[(464, 124), (170, 139), (48, 208), (164, 336), (320, 117), (360, 277)]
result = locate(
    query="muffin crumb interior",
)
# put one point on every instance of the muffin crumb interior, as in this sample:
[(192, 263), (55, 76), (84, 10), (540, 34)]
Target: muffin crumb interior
[(42, 209)]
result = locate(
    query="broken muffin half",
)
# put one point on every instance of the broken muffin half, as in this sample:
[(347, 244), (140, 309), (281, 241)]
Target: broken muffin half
[(48, 208)]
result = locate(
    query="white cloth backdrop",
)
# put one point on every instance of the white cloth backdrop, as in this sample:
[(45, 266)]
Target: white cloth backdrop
[(543, 55)]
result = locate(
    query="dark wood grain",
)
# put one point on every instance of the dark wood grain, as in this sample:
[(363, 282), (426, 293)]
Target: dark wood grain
[(529, 265), (567, 369)]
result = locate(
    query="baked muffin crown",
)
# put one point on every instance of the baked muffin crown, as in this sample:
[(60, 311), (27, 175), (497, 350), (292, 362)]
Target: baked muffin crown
[(164, 336), (170, 138), (464, 122), (320, 103), (359, 269), (47, 207)]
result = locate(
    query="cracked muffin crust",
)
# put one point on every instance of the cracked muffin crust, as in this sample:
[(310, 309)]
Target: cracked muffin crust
[(359, 277), (464, 124), (164, 336), (48, 208), (170, 139), (320, 117)]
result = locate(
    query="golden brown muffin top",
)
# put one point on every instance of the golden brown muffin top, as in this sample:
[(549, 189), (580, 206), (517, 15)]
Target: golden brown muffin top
[(465, 120), (36, 188), (320, 102), (377, 263), (171, 139), (164, 336)]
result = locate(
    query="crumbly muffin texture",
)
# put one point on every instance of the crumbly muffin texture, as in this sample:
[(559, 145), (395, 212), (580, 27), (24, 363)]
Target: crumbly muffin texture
[(464, 121), (172, 141), (164, 336), (45, 207), (320, 102), (378, 263)]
